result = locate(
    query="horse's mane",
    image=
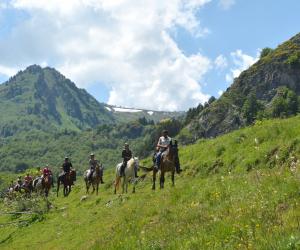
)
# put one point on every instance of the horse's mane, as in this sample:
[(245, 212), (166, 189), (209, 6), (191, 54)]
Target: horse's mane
[(130, 162)]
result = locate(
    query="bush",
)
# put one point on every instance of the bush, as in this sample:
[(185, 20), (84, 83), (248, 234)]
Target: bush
[(294, 59), (265, 52)]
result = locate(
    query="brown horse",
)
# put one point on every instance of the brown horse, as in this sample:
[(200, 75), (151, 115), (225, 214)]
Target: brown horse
[(95, 179), (46, 184), (67, 180), (168, 164)]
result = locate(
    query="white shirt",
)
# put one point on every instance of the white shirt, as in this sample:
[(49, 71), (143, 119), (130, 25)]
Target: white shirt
[(164, 142)]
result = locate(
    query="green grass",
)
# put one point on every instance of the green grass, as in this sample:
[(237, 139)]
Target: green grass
[(238, 191)]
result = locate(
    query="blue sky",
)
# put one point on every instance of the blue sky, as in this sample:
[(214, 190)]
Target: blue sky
[(145, 54)]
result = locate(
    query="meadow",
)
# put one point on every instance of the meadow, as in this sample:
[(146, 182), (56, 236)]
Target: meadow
[(237, 191)]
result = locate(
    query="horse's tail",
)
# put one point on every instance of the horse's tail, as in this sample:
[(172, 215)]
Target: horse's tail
[(117, 182), (146, 169)]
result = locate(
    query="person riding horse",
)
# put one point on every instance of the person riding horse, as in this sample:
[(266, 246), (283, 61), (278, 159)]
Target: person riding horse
[(93, 163), (162, 145), (28, 182), (67, 166), (47, 172), (126, 155)]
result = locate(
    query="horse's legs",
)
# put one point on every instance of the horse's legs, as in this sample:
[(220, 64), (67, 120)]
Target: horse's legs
[(58, 183), (123, 185), (153, 180), (126, 184), (134, 182), (162, 179), (87, 186), (117, 183), (97, 188), (173, 178)]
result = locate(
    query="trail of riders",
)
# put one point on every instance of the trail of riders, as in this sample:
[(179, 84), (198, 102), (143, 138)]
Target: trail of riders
[(165, 159)]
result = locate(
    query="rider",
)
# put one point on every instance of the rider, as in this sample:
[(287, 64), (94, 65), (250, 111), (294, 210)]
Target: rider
[(93, 163), (67, 166), (126, 155), (48, 172), (163, 143), (28, 181)]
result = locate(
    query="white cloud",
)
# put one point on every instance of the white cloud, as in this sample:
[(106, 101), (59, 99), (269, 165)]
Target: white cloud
[(221, 62), (226, 4), (242, 62), (7, 71), (124, 44), (220, 92)]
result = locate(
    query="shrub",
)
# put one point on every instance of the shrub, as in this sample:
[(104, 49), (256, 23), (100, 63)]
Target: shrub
[(265, 52)]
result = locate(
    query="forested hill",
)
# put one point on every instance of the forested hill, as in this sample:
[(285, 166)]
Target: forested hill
[(270, 88), (44, 116), (44, 99)]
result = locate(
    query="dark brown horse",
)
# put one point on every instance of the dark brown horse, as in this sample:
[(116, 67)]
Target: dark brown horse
[(67, 180), (46, 184), (95, 179), (168, 164)]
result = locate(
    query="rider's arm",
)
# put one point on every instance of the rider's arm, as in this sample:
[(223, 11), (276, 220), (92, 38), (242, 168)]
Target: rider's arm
[(159, 145)]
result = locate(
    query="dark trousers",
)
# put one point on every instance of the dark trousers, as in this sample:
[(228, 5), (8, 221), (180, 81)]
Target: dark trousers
[(123, 167)]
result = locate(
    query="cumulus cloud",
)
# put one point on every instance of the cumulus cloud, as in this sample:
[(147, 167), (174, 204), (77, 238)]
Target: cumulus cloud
[(7, 71), (221, 62), (226, 4), (220, 92), (241, 62), (125, 44)]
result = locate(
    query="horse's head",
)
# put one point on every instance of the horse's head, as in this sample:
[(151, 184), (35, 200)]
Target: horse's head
[(173, 151)]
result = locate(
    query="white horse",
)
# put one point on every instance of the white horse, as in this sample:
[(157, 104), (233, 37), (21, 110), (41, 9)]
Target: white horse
[(38, 185), (129, 173)]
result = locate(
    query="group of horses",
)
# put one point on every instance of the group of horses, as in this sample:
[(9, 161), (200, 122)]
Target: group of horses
[(168, 164), (42, 185)]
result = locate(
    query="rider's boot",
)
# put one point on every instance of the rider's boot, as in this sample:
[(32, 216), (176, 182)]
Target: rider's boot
[(136, 174)]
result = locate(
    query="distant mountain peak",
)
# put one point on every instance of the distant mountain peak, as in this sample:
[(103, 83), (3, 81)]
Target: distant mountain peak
[(43, 98)]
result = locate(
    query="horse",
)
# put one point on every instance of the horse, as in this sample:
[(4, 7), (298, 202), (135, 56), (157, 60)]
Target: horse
[(46, 184), (38, 185), (95, 179), (129, 173), (67, 181), (168, 164)]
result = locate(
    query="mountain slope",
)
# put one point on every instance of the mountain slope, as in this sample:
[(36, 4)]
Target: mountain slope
[(42, 98), (238, 191), (259, 86)]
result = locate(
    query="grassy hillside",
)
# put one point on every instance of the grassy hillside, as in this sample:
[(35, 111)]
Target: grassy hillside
[(238, 191)]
